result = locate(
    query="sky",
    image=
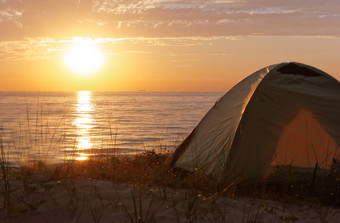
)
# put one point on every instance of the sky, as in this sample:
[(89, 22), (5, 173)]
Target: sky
[(163, 45)]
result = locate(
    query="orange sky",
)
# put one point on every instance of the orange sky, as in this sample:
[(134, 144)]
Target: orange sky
[(163, 45)]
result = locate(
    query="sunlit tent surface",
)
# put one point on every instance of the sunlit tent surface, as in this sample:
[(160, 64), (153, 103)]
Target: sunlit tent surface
[(284, 114)]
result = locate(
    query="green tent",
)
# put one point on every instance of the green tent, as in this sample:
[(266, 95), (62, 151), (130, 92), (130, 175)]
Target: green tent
[(283, 114)]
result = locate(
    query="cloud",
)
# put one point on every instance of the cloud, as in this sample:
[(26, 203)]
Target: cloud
[(29, 49), (46, 48), (163, 18), (10, 15), (124, 7)]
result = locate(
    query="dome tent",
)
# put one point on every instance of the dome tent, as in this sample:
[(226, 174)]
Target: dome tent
[(283, 114)]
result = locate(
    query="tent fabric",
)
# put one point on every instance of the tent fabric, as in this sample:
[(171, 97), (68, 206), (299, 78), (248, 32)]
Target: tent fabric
[(283, 114)]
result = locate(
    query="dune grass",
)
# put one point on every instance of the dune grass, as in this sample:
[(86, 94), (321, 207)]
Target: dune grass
[(148, 168), (200, 199)]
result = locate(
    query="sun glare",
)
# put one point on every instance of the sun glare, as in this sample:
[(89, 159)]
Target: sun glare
[(84, 57)]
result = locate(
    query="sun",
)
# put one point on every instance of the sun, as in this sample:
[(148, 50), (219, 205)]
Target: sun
[(84, 57)]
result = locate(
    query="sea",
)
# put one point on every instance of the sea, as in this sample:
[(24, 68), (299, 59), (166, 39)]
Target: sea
[(62, 126)]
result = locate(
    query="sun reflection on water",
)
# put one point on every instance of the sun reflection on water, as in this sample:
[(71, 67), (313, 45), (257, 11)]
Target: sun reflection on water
[(84, 124)]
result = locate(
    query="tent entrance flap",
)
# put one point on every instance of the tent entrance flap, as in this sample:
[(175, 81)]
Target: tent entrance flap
[(305, 142)]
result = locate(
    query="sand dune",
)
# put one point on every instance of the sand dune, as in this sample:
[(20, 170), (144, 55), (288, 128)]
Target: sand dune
[(103, 201)]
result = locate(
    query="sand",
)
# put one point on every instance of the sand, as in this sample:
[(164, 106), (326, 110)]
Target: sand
[(102, 201)]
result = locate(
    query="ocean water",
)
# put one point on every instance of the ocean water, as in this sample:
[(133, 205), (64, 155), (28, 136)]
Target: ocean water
[(58, 126)]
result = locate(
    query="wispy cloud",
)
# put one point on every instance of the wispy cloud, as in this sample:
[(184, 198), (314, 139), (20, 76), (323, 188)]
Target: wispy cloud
[(46, 48), (29, 49), (9, 14), (124, 6), (164, 18)]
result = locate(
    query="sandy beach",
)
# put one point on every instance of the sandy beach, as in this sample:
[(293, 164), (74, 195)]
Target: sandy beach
[(103, 201)]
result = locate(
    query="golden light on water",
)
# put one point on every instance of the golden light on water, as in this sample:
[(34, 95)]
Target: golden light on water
[(82, 157), (83, 123)]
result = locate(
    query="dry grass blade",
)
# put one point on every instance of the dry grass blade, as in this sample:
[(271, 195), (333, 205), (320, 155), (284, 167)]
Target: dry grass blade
[(139, 215), (5, 171)]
